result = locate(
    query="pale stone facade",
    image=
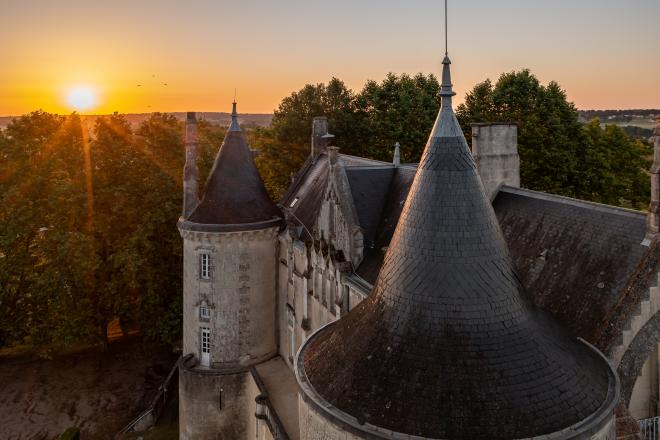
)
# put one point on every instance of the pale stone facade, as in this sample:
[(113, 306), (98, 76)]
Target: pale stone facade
[(237, 293)]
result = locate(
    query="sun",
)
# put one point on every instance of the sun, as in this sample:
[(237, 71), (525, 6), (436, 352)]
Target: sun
[(81, 98)]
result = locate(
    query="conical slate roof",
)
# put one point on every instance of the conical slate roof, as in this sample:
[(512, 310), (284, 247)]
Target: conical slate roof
[(234, 193), (447, 344)]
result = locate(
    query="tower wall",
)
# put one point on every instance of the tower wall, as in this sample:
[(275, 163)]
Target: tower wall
[(216, 401), (239, 294), (495, 150), (216, 406)]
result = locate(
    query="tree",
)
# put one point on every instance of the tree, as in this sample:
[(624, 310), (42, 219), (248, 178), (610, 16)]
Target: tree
[(276, 161), (399, 109), (88, 229), (45, 248), (614, 165), (559, 155), (292, 121)]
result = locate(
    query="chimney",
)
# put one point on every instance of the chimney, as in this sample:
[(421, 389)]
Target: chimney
[(190, 172), (397, 155), (495, 150), (319, 130), (333, 153), (653, 217)]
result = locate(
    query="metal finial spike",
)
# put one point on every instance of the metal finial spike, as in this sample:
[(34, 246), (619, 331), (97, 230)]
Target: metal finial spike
[(234, 95), (446, 32)]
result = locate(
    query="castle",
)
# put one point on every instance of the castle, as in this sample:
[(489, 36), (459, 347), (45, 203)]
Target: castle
[(412, 301)]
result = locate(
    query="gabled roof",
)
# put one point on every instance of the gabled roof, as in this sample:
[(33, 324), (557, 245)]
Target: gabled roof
[(369, 187), (395, 197), (448, 345), (302, 201), (234, 193)]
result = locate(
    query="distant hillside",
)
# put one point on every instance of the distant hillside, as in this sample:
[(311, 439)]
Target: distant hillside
[(248, 119), (638, 123)]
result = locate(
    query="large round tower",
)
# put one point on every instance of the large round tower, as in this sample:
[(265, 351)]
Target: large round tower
[(229, 270), (448, 345)]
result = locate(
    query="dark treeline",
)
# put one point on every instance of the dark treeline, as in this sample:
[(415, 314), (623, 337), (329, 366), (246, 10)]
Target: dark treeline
[(590, 114), (88, 210)]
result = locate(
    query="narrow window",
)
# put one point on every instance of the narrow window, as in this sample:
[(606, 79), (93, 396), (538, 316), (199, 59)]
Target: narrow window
[(291, 325), (205, 266), (305, 305)]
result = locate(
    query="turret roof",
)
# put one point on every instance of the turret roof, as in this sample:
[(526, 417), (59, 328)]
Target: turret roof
[(448, 345), (234, 193)]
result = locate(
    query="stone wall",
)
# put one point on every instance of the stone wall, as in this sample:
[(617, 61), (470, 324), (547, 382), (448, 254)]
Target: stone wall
[(214, 406), (239, 294), (314, 426)]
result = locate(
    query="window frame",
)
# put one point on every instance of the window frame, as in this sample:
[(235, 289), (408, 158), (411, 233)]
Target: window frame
[(205, 265), (204, 312)]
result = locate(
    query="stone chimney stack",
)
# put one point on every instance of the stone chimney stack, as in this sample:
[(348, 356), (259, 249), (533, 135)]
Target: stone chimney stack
[(190, 172), (495, 150), (319, 130), (653, 219), (397, 155)]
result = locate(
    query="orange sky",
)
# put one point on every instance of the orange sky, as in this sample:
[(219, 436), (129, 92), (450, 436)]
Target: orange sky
[(603, 52)]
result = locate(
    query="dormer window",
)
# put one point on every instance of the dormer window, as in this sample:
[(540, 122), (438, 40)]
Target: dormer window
[(293, 202), (205, 266)]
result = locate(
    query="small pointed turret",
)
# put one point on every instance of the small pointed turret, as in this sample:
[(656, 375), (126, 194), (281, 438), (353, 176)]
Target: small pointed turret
[(234, 119), (190, 172), (397, 155), (234, 193)]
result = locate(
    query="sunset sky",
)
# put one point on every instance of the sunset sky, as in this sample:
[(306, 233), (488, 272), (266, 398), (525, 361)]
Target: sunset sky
[(57, 55)]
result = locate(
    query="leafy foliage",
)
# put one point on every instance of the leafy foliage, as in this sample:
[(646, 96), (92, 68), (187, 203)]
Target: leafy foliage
[(87, 229), (398, 109), (558, 154)]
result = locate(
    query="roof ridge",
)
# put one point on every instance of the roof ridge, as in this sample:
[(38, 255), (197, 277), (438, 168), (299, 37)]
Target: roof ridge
[(570, 201)]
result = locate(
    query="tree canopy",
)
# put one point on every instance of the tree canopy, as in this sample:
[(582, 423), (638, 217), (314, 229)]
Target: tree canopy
[(87, 227), (559, 154), (368, 124)]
